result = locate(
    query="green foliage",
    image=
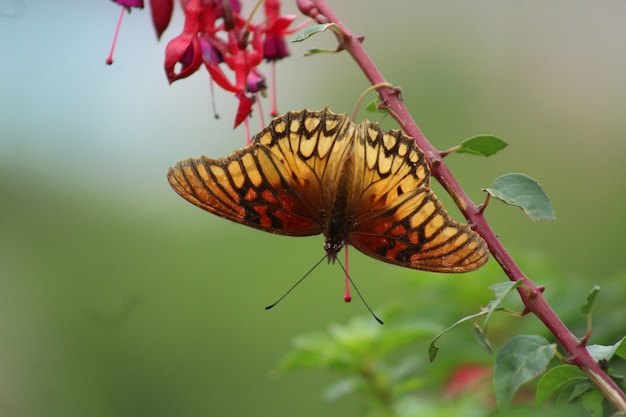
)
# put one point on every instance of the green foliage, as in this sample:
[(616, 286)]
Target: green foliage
[(386, 365), (433, 348), (311, 30), (358, 351), (373, 107), (520, 360), (482, 145), (568, 384), (591, 299), (599, 352), (501, 290), (524, 192), (556, 379)]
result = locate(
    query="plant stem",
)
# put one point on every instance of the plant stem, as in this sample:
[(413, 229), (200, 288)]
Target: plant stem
[(531, 295)]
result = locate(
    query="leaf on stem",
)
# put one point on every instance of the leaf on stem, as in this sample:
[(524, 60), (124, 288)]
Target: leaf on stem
[(481, 338), (524, 192), (373, 107), (309, 31), (557, 379), (501, 290), (482, 145), (591, 299), (599, 352), (520, 360), (315, 51), (433, 348)]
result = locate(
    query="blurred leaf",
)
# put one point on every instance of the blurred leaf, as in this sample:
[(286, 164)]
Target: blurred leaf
[(520, 360), (309, 31), (599, 352), (579, 389), (348, 347), (311, 351), (483, 145), (592, 402), (342, 388), (481, 338), (315, 51), (407, 378), (524, 192), (591, 299), (556, 379), (433, 348)]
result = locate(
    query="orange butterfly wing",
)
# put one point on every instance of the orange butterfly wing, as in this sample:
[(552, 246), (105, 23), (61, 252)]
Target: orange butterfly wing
[(398, 218), (279, 183)]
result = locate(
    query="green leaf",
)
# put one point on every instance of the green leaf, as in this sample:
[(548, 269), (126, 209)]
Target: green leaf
[(524, 192), (556, 379), (621, 350), (315, 51), (342, 388), (372, 107), (433, 348), (481, 338), (502, 289), (591, 299), (312, 351), (483, 145), (309, 31), (580, 389), (520, 360), (347, 347), (599, 352), (592, 402)]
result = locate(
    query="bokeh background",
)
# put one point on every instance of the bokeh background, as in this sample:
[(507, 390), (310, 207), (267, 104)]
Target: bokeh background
[(118, 298)]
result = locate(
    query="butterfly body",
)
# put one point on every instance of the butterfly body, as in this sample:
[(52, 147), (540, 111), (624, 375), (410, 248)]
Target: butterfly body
[(317, 172)]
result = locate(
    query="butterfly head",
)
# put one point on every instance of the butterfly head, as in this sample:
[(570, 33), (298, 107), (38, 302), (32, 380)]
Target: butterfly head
[(332, 246)]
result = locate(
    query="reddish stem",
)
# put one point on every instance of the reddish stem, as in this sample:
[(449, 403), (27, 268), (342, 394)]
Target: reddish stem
[(531, 295)]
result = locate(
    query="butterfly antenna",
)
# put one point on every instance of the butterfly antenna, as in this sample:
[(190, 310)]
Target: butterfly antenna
[(359, 293), (297, 283)]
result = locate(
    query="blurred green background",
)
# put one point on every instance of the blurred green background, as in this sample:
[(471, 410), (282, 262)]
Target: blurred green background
[(118, 298)]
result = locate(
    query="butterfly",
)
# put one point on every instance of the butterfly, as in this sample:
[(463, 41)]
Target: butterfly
[(313, 172)]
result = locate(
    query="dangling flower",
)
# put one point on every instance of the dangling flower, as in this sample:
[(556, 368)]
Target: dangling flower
[(230, 46), (274, 44)]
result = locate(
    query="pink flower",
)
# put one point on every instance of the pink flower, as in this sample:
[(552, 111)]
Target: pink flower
[(231, 46), (274, 44)]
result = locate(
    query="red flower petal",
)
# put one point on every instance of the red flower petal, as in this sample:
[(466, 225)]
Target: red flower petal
[(161, 14), (244, 109), (183, 49), (220, 78)]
